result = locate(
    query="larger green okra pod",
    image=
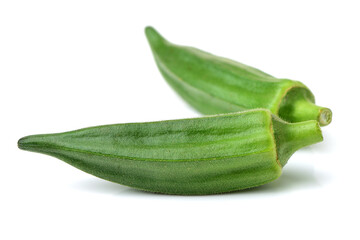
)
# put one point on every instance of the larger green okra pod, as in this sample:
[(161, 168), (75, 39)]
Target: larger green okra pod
[(215, 85), (207, 155)]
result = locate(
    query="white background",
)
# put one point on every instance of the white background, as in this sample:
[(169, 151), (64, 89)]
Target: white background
[(71, 64)]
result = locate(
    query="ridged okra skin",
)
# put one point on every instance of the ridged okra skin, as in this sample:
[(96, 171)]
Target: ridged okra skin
[(207, 155), (213, 84)]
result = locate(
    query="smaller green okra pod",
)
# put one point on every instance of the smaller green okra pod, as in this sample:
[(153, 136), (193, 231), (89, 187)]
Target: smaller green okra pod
[(213, 84), (208, 155)]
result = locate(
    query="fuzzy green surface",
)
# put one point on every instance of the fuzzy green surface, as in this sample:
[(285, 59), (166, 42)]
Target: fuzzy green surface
[(206, 155), (213, 84)]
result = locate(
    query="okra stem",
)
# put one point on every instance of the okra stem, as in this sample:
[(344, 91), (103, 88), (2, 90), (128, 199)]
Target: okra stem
[(297, 108), (290, 137), (304, 109)]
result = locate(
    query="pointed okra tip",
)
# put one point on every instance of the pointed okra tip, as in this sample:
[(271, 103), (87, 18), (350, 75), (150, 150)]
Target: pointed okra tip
[(153, 36), (32, 143), (24, 143)]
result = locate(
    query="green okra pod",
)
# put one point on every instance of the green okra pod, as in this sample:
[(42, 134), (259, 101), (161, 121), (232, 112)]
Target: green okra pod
[(213, 84), (208, 155)]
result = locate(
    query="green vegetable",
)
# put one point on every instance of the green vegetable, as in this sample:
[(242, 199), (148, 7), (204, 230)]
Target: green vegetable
[(207, 155), (215, 85)]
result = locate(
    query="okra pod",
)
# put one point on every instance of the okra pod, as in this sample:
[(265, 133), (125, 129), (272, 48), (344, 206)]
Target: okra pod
[(213, 84), (207, 155)]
